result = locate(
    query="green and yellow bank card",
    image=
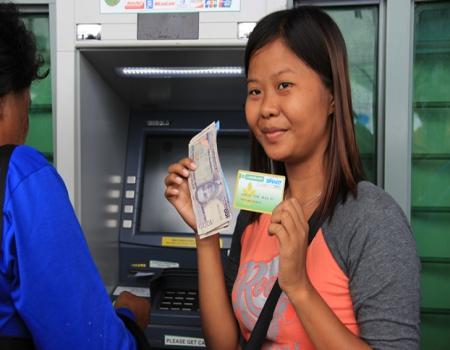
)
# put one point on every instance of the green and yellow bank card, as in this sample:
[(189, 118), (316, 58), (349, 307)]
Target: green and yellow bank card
[(258, 192)]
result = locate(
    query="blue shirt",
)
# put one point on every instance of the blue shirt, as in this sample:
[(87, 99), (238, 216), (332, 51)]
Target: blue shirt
[(50, 288)]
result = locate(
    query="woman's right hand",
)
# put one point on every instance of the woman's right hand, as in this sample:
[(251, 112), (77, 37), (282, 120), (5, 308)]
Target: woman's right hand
[(177, 190)]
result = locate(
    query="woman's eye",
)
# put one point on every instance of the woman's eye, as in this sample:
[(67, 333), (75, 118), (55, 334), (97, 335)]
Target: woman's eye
[(253, 92), (283, 85)]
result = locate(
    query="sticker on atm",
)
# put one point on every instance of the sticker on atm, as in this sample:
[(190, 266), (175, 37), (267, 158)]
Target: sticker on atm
[(258, 192), (160, 264), (184, 341), (180, 242)]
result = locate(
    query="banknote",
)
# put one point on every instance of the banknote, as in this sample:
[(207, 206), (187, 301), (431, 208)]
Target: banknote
[(207, 186)]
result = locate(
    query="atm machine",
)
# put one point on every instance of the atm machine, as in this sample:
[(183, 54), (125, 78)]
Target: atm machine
[(144, 86), (139, 107)]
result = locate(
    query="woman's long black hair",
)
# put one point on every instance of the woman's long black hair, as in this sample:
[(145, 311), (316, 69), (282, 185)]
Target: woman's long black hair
[(316, 39)]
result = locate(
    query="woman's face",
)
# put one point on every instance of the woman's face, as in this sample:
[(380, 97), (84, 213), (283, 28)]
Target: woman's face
[(14, 117), (287, 106)]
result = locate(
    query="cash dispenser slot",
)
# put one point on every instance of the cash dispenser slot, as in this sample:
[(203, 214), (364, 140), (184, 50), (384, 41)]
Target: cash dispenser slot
[(174, 316), (174, 290)]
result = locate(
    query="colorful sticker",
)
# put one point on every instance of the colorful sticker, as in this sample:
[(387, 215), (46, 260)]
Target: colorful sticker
[(147, 6)]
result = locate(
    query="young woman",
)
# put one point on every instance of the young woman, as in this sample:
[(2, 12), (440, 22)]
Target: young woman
[(51, 294), (354, 282)]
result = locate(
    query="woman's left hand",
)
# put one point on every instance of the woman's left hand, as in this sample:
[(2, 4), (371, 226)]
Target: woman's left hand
[(291, 228)]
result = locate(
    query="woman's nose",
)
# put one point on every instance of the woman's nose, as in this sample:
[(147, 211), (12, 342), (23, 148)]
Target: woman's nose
[(269, 107)]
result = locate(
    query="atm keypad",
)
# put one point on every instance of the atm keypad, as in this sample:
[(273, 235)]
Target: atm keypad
[(179, 300)]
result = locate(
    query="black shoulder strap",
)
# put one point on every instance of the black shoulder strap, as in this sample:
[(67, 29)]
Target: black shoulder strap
[(234, 257), (5, 154), (12, 343), (265, 317)]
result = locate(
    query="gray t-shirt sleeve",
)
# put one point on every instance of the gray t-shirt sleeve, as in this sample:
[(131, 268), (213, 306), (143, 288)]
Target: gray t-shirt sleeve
[(372, 242)]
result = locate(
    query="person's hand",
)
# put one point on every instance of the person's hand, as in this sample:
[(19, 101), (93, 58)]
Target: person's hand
[(290, 226), (140, 307), (177, 190)]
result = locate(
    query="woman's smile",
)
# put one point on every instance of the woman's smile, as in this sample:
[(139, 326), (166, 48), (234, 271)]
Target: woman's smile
[(272, 134)]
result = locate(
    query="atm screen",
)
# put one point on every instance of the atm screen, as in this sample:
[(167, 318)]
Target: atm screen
[(157, 214)]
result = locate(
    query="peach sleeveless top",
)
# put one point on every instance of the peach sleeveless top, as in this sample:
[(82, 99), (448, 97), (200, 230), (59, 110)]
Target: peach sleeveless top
[(258, 271)]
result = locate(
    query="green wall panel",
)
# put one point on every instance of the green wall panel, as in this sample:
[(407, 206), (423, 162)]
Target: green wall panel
[(435, 286), (430, 192), (431, 179), (435, 332), (359, 26), (431, 233), (431, 130), (40, 134)]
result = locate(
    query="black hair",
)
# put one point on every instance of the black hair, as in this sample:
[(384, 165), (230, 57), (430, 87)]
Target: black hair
[(316, 40), (19, 60)]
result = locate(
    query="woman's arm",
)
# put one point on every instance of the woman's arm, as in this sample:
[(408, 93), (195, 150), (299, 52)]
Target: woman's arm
[(324, 329), (219, 325), (372, 243)]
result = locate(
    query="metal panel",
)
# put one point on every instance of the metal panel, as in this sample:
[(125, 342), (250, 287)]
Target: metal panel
[(398, 92), (381, 97), (65, 94), (160, 26), (103, 126)]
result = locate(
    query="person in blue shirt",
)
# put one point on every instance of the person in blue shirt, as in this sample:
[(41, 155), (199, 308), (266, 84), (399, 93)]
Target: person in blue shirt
[(51, 294)]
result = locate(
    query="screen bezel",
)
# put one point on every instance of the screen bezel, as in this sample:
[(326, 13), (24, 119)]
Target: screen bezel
[(175, 123)]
